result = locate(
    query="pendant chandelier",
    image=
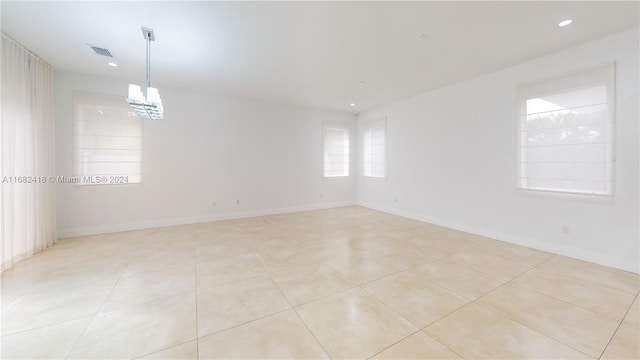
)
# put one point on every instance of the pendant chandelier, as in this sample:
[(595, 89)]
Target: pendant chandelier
[(149, 108)]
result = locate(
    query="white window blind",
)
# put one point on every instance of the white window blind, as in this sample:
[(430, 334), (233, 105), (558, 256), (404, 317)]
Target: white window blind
[(374, 155), (107, 138), (566, 132), (336, 150)]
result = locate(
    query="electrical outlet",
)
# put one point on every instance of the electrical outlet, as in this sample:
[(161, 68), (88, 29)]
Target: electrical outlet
[(566, 229), (213, 204), (238, 202), (321, 196), (395, 199)]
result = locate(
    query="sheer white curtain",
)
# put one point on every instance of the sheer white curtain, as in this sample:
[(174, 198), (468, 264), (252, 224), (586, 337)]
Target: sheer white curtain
[(27, 221)]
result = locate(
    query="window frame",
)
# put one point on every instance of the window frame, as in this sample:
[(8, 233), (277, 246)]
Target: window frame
[(107, 101), (603, 74), (343, 126), (367, 126)]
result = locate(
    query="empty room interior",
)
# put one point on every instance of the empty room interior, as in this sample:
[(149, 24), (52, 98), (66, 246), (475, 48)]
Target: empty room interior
[(320, 180)]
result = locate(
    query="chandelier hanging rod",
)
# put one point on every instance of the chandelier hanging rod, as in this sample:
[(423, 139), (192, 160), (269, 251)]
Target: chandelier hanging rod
[(148, 35), (149, 107)]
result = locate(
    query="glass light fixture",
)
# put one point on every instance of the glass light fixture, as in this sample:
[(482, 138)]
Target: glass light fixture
[(564, 23), (149, 108)]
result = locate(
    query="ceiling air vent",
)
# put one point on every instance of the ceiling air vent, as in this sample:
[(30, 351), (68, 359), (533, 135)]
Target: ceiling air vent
[(101, 51)]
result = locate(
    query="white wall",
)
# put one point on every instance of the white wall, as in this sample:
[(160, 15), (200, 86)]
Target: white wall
[(208, 148), (452, 161)]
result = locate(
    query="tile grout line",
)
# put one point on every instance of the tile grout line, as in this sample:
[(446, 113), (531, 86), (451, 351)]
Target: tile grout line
[(235, 281), (163, 349), (195, 284), (423, 329), (300, 317), (96, 313), (45, 326), (326, 296), (464, 298), (269, 273), (395, 343), (152, 300), (563, 300), (264, 273), (244, 323), (531, 329), (605, 285), (587, 282), (456, 292), (389, 308), (566, 302), (518, 322), (430, 323), (618, 327)]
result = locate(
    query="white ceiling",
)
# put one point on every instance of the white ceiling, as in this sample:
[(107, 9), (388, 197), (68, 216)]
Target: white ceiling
[(308, 53)]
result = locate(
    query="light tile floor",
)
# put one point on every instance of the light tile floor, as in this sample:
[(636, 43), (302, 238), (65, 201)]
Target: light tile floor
[(338, 283)]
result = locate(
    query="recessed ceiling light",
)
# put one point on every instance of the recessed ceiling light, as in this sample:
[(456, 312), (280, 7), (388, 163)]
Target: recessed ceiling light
[(352, 104), (112, 64), (565, 22)]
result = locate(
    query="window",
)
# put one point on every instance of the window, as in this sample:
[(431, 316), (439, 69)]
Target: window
[(336, 150), (375, 133), (565, 133), (107, 137)]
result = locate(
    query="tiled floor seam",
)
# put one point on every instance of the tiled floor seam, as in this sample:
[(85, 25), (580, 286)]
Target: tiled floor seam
[(14, 300), (293, 266), (45, 326), (480, 270), (162, 349), (376, 279), (323, 297), (553, 297), (300, 317), (514, 278), (220, 258), (413, 333), (408, 336), (418, 327), (433, 322), (389, 308), (243, 323), (430, 282), (93, 317), (618, 327), (505, 257), (566, 302), (195, 283), (315, 225), (414, 272), (475, 301), (451, 255), (233, 281), (534, 330), (588, 281)]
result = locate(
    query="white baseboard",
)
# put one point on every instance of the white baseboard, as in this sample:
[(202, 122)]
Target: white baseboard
[(111, 228), (558, 249)]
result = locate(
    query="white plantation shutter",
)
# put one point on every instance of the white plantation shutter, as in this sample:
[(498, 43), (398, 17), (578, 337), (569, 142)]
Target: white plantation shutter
[(566, 132), (107, 138), (375, 134), (336, 150)]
